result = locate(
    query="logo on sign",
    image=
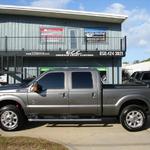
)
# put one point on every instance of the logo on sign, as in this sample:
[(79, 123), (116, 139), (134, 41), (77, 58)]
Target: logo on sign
[(73, 53)]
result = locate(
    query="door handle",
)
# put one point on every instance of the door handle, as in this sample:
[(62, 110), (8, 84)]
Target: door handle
[(93, 95), (64, 95)]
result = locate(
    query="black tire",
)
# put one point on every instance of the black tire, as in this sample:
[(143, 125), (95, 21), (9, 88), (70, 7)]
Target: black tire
[(133, 118), (11, 118)]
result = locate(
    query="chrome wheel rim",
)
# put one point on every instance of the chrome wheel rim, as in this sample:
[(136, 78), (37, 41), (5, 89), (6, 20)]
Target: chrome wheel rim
[(9, 119), (134, 119)]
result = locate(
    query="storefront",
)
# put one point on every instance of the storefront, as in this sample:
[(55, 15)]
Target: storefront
[(37, 40)]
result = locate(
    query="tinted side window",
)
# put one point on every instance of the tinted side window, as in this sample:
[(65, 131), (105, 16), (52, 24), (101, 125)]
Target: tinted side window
[(52, 81), (82, 80), (146, 76)]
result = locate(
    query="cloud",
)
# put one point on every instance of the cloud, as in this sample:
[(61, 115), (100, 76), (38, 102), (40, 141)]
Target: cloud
[(116, 8), (143, 42), (50, 3), (136, 27), (81, 7), (147, 51)]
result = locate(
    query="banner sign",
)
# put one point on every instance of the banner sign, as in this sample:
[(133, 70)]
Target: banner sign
[(77, 53), (68, 53), (95, 34), (52, 34)]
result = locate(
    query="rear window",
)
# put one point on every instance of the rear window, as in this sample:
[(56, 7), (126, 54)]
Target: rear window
[(82, 80)]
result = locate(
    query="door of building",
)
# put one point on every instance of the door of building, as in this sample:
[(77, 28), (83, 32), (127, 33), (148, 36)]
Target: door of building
[(73, 39)]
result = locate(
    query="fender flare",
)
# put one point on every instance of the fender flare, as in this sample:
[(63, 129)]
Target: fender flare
[(131, 98), (14, 99)]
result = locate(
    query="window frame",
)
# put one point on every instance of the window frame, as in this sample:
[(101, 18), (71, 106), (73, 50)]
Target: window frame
[(71, 85), (53, 73)]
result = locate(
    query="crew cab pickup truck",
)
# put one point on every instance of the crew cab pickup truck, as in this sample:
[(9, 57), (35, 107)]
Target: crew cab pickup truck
[(73, 96)]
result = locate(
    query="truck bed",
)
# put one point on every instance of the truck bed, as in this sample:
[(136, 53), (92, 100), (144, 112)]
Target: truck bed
[(124, 86)]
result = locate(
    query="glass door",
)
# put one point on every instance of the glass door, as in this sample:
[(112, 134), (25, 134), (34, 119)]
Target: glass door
[(73, 39)]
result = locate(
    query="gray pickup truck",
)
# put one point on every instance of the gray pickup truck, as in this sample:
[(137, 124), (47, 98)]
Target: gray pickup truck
[(73, 96)]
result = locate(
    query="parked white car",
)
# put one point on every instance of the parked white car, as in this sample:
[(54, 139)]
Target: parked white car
[(3, 79)]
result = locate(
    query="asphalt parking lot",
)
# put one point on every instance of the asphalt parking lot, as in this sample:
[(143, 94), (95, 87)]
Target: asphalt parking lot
[(88, 137)]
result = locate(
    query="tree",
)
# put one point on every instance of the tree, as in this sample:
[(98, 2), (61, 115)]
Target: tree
[(125, 62), (136, 62)]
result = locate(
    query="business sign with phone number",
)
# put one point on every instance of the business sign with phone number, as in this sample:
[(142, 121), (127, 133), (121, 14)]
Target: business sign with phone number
[(77, 53)]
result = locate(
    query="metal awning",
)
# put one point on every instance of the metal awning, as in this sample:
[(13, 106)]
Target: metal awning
[(63, 14)]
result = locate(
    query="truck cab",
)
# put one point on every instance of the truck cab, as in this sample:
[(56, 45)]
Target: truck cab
[(66, 93)]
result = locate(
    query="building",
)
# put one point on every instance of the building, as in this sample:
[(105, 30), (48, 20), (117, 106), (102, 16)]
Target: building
[(131, 68), (34, 40)]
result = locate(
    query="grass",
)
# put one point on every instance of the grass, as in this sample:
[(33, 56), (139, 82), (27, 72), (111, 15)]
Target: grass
[(27, 143)]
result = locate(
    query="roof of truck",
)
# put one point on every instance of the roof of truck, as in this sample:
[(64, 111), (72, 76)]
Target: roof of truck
[(72, 69)]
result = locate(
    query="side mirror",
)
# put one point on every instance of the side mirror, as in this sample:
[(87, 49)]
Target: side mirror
[(36, 88)]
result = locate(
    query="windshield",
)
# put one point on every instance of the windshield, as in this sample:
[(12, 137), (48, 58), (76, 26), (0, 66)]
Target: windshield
[(34, 80), (31, 82)]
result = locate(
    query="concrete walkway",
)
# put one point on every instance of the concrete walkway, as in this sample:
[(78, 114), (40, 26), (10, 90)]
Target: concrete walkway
[(88, 137)]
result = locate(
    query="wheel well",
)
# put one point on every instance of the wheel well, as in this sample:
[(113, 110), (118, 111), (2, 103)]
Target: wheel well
[(134, 102), (11, 102)]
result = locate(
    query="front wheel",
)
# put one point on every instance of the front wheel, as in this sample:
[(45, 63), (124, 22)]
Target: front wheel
[(10, 118), (133, 118)]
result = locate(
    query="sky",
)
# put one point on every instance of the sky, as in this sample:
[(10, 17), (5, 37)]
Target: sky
[(136, 27)]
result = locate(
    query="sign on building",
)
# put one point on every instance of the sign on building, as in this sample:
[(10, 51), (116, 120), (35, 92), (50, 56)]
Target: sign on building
[(95, 34), (52, 34)]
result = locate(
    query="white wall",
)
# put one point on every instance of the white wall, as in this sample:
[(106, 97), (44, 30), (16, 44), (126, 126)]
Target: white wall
[(131, 68)]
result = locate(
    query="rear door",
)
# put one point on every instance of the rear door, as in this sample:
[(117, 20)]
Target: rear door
[(83, 94)]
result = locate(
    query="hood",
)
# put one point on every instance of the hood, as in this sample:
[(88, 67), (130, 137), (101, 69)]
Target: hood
[(11, 88)]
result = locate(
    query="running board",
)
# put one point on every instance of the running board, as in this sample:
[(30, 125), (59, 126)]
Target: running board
[(66, 120)]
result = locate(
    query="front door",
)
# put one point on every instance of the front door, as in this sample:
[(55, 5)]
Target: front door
[(73, 39), (83, 95), (53, 98)]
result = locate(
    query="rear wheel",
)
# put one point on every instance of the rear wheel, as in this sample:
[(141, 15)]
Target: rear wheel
[(133, 118), (10, 118)]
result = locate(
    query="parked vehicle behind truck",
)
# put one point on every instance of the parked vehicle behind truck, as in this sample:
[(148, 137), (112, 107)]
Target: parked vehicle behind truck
[(139, 77), (73, 96)]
